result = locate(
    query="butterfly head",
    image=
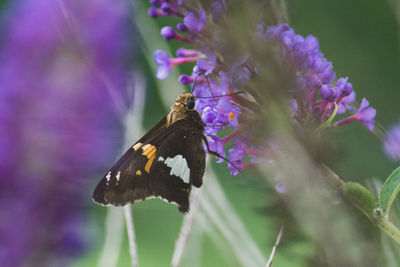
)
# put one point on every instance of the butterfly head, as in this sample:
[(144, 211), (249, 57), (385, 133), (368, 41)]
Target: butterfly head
[(183, 106), (184, 102)]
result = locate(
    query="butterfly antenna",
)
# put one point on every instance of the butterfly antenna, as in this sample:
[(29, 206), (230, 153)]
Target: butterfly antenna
[(208, 83), (231, 94), (194, 81)]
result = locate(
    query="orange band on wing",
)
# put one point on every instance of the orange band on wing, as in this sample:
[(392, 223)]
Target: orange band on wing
[(149, 163), (150, 152)]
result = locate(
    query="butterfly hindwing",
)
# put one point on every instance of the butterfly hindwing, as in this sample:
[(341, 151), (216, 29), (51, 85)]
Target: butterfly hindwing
[(164, 163), (179, 163)]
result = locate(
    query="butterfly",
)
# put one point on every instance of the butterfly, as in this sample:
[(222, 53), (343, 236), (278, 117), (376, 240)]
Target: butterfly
[(164, 163)]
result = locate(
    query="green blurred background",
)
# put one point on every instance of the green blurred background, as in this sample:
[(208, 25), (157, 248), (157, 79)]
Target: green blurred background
[(361, 38)]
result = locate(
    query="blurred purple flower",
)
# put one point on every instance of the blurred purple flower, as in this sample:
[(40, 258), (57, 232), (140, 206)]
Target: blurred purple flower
[(154, 12), (207, 66), (168, 33), (218, 9), (182, 52), (58, 123), (391, 144), (195, 21), (165, 63)]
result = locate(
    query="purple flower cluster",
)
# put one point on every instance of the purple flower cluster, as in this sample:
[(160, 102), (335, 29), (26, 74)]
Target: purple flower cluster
[(59, 62), (220, 76), (314, 91)]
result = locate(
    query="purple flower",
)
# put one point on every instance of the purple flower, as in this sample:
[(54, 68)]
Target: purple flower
[(344, 87), (164, 65), (172, 8), (328, 92), (274, 32), (209, 115), (154, 12), (195, 22), (391, 144), (315, 74), (228, 112), (311, 45), (182, 52), (364, 114), (181, 27), (185, 79), (216, 144), (168, 33), (166, 7), (343, 104), (207, 66), (346, 95), (57, 122), (323, 68), (236, 154), (314, 96)]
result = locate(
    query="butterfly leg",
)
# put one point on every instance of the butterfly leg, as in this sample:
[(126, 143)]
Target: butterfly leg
[(216, 153)]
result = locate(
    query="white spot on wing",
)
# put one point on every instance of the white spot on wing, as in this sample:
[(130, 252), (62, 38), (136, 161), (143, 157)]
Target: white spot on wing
[(108, 176), (118, 176), (178, 167)]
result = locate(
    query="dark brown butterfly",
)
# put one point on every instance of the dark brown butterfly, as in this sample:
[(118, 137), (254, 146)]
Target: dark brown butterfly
[(164, 163)]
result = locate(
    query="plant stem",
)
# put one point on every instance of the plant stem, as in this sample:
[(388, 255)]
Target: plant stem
[(131, 235), (278, 240), (376, 216), (185, 230), (114, 229), (388, 227)]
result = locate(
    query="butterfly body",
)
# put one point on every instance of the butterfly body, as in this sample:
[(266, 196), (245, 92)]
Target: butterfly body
[(164, 163)]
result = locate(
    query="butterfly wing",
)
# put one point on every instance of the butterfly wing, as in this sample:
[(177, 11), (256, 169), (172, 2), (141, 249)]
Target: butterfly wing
[(113, 188), (164, 164)]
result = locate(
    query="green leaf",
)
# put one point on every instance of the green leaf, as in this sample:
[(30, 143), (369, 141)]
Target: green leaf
[(360, 196), (389, 191), (329, 120)]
